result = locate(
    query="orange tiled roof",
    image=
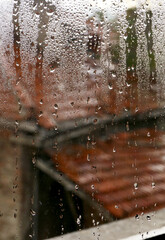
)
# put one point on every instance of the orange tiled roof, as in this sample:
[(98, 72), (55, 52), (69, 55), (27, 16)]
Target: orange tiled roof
[(125, 173)]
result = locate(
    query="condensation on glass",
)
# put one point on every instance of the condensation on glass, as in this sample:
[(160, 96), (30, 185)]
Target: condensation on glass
[(81, 114)]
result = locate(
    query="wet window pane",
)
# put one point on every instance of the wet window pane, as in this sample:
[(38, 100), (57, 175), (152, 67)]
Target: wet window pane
[(82, 119)]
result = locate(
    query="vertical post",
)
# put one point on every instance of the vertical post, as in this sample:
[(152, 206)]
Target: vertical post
[(29, 201), (151, 53), (131, 59)]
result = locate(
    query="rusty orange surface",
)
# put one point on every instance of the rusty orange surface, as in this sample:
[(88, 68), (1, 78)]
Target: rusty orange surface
[(126, 173), (43, 95)]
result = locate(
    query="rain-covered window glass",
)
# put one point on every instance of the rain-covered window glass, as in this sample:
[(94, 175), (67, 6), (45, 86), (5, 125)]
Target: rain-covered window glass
[(82, 130)]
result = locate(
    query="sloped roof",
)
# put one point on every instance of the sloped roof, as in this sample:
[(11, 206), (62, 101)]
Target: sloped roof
[(124, 173)]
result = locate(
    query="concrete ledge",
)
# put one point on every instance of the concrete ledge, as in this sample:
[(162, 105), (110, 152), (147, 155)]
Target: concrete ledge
[(141, 227)]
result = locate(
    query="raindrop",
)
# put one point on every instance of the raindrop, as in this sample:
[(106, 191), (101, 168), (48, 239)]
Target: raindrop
[(120, 91), (55, 106), (40, 114), (93, 143), (33, 160), (136, 109), (110, 86), (127, 126), (92, 187), (32, 212), (41, 102), (153, 185), (95, 121), (113, 165), (61, 204), (113, 75), (16, 123), (114, 149), (137, 217), (39, 57), (88, 138), (76, 187), (88, 158), (136, 186), (148, 218), (62, 228), (49, 13), (88, 98), (52, 69), (79, 220), (148, 134)]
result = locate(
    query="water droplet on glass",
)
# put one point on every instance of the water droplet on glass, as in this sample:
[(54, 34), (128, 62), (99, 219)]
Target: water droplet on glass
[(148, 218), (49, 13), (120, 91), (41, 102), (148, 134), (52, 69), (113, 165), (78, 221), (137, 217), (88, 158), (40, 114), (153, 185), (95, 121), (76, 187), (55, 106), (113, 75), (93, 143), (33, 160), (127, 126), (16, 123), (128, 84), (136, 186), (32, 212), (88, 138), (39, 57), (110, 86), (136, 109), (92, 187)]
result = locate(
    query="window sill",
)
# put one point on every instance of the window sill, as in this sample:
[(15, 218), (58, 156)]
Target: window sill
[(127, 229)]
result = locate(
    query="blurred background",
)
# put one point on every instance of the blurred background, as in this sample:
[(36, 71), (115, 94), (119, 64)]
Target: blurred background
[(81, 114)]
